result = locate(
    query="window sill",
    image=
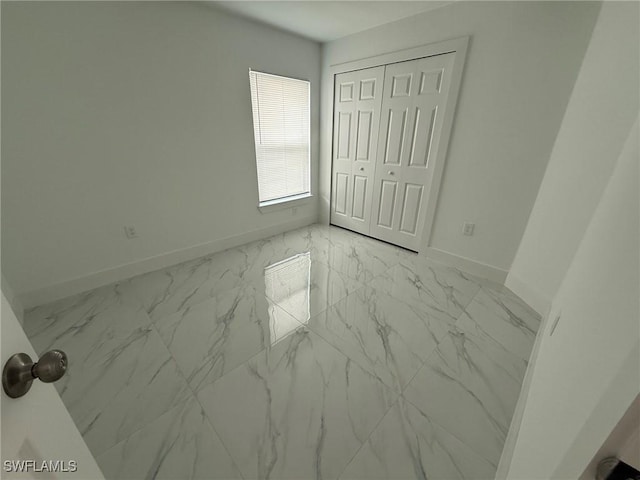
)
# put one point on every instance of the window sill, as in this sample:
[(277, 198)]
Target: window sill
[(284, 203)]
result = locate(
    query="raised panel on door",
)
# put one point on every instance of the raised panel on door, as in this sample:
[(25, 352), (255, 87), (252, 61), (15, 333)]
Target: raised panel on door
[(395, 135), (344, 135), (422, 136), (401, 84), (414, 97), (360, 190), (356, 122), (430, 80), (346, 91), (341, 189), (386, 204), (363, 135), (411, 206)]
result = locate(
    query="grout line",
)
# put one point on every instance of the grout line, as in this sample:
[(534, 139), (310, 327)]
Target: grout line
[(222, 442), (194, 397), (436, 422), (431, 418), (369, 436), (192, 393)]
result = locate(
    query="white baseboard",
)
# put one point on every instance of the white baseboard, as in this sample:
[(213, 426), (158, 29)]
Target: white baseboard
[(74, 286), (541, 304), (536, 300), (474, 267), (516, 420)]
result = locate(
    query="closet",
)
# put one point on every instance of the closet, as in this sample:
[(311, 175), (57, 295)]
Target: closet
[(387, 125)]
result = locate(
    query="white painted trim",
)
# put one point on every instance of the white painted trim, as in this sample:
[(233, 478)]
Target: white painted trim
[(74, 286), (543, 305), (284, 203), (457, 45), (437, 48), (445, 138), (516, 420), (474, 267), (532, 297)]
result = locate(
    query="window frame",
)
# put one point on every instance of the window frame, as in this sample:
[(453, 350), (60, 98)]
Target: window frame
[(287, 201)]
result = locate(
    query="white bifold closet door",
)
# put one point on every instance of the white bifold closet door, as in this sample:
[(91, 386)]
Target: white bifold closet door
[(414, 96), (356, 121)]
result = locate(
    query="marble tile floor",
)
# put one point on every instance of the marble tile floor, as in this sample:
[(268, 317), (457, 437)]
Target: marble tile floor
[(315, 354)]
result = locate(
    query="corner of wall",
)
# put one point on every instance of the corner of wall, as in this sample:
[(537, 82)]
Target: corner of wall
[(537, 300), (521, 405), (469, 265), (12, 298)]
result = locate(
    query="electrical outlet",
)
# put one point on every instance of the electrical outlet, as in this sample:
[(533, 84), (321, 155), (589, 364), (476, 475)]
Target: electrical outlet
[(467, 228), (130, 232)]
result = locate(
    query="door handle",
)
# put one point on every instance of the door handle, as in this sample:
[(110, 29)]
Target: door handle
[(611, 468), (362, 169), (391, 172), (20, 371)]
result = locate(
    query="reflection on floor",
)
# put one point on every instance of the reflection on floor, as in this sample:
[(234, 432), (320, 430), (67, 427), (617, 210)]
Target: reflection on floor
[(314, 354)]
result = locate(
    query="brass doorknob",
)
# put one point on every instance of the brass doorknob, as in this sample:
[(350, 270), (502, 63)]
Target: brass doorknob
[(20, 371)]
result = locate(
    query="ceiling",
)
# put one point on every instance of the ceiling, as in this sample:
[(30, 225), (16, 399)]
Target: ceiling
[(328, 20)]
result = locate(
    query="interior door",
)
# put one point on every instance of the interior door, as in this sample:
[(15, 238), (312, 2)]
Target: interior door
[(357, 103), (37, 427), (414, 97)]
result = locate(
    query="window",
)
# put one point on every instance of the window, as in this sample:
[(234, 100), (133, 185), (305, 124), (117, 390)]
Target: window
[(281, 130)]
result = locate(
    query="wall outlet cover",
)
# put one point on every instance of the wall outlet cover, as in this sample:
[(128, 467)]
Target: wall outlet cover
[(130, 232)]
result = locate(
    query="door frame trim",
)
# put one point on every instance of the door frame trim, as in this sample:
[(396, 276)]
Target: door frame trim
[(459, 46)]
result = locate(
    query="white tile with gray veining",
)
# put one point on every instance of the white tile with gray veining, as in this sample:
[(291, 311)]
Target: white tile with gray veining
[(120, 374), (501, 353), (181, 444), (357, 257), (173, 289), (408, 445), (442, 290), (284, 358), (506, 318), (305, 288), (387, 337), (213, 337), (44, 323), (298, 411), (470, 386)]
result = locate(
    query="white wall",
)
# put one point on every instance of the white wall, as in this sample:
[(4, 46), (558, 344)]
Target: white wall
[(603, 105), (521, 66), (12, 299), (133, 113), (586, 374)]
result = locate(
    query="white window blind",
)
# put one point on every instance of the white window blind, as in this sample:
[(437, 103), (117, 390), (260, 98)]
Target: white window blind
[(281, 129)]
